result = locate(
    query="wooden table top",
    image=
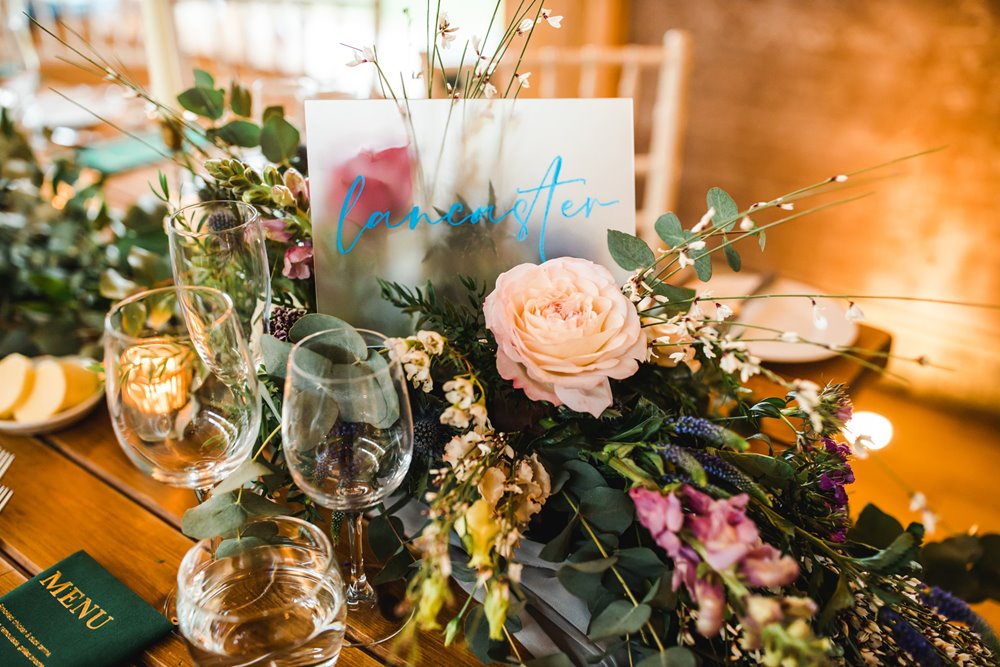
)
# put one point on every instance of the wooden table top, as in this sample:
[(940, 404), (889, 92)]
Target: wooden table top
[(76, 490)]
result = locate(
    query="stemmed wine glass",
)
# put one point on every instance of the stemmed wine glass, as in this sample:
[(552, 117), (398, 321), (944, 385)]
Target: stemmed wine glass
[(220, 244), (272, 596), (180, 385), (347, 435)]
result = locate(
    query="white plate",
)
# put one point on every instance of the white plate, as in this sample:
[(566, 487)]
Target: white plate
[(59, 420), (795, 315)]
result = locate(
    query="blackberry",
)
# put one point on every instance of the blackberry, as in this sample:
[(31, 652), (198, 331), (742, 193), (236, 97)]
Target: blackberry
[(429, 437), (699, 428), (223, 220), (282, 320)]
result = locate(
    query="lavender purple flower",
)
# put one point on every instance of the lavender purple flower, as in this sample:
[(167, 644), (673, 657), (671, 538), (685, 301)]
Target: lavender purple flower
[(910, 639)]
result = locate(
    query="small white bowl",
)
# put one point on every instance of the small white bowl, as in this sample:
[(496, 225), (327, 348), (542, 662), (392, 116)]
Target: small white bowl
[(61, 419)]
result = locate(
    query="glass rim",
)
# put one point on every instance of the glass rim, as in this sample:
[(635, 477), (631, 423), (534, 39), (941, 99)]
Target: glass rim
[(186, 567), (252, 218), (111, 330), (292, 367)]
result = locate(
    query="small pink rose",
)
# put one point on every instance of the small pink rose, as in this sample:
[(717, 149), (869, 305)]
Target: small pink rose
[(564, 330), (298, 261), (388, 184), (274, 229), (765, 566)]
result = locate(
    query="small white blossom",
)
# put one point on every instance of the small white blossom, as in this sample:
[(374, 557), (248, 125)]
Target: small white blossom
[(683, 260), (918, 502), (696, 245), (446, 30), (432, 341), (479, 418), (840, 178), (788, 206), (855, 314), (554, 21), (790, 337), (722, 312), (489, 90), (455, 417), (705, 220), (522, 79), (746, 224), (361, 56), (696, 310), (460, 392), (525, 26), (729, 363), (819, 319), (807, 394)]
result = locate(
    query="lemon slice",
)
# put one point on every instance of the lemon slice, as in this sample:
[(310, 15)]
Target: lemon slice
[(17, 377)]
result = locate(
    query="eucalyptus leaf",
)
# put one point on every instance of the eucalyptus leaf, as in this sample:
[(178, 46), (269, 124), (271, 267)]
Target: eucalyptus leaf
[(668, 227), (239, 100), (255, 505), (346, 336), (732, 257), (608, 510), (206, 102), (235, 546), (395, 568), (279, 140), (556, 549), (726, 210), (619, 618), (594, 566), (383, 535), (217, 516), (628, 251), (584, 585), (675, 656), (241, 133), (203, 79), (249, 471), (703, 265), (640, 561), (275, 356)]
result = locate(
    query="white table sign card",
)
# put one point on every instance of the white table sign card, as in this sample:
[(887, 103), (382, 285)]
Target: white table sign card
[(443, 189)]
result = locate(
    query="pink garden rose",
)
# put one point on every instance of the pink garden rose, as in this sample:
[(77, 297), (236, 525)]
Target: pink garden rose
[(564, 330), (388, 183), (298, 261)]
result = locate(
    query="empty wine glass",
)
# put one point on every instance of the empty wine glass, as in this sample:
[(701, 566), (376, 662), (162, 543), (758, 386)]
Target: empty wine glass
[(180, 385), (271, 597), (348, 438), (220, 244)]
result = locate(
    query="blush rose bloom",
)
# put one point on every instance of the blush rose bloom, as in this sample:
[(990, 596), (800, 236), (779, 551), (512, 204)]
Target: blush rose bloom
[(298, 261), (564, 330), (388, 183)]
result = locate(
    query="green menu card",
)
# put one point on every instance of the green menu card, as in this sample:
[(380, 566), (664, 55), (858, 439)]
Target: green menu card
[(75, 614)]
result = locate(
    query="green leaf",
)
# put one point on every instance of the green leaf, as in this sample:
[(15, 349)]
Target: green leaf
[(726, 210), (249, 471), (841, 599), (762, 239), (383, 532), (583, 478), (583, 585), (661, 594), (205, 102), (279, 140), (674, 293), (773, 472), (234, 546), (349, 338), (629, 252), (732, 257), (395, 568), (897, 556), (273, 112), (558, 547), (255, 505), (203, 79), (239, 133), (675, 656), (619, 618), (217, 516), (606, 509), (668, 227), (594, 566), (703, 265), (640, 561), (275, 356), (239, 100), (875, 528)]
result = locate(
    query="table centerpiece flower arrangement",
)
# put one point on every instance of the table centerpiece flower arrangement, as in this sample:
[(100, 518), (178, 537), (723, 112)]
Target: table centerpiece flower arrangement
[(612, 424)]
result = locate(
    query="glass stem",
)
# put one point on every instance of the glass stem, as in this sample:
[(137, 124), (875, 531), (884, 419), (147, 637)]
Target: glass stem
[(202, 494), (360, 594)]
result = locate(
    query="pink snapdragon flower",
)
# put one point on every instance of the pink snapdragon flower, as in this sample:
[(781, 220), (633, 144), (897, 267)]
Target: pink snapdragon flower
[(729, 541), (274, 230), (298, 261)]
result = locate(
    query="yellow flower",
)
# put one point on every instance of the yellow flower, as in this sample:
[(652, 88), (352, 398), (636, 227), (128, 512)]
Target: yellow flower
[(495, 605), (481, 530), (434, 593), (491, 485)]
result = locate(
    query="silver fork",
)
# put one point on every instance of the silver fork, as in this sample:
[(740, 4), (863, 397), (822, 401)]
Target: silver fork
[(6, 458), (5, 494)]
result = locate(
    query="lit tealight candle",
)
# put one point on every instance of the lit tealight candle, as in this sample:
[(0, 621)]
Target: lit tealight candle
[(156, 377), (872, 429)]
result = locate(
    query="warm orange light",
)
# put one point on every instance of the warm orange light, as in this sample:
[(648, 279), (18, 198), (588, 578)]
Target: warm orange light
[(870, 428), (156, 377)]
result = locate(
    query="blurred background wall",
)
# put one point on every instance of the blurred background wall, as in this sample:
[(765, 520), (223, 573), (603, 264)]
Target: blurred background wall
[(786, 92)]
